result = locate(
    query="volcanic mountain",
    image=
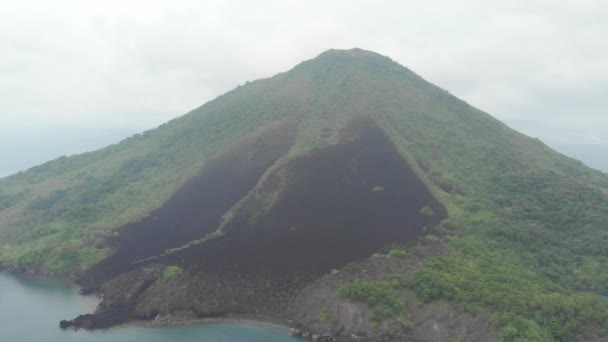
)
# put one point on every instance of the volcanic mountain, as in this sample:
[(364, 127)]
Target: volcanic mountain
[(347, 197)]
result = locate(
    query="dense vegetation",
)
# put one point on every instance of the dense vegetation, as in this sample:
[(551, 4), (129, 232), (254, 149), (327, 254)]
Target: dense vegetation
[(532, 224), (527, 306), (535, 225), (383, 297)]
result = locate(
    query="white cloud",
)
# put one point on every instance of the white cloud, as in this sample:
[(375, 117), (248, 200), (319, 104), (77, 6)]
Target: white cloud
[(136, 64)]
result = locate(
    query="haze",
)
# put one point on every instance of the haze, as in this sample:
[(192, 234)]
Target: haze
[(77, 76)]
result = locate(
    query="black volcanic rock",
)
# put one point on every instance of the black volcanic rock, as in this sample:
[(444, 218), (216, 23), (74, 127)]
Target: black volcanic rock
[(87, 322)]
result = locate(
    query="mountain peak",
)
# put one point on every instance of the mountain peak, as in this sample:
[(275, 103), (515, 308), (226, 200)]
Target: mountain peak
[(359, 61), (354, 54)]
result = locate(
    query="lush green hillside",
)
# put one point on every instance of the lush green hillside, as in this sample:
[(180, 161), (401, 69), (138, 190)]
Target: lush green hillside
[(526, 229), (56, 216)]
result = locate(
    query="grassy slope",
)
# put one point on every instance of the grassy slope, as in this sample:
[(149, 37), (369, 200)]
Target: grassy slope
[(531, 221), (54, 216)]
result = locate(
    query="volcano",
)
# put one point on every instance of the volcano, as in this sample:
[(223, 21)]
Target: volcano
[(346, 197)]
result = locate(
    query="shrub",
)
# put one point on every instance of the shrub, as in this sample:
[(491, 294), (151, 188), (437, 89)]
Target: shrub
[(324, 315), (172, 272), (399, 254), (382, 297), (427, 211)]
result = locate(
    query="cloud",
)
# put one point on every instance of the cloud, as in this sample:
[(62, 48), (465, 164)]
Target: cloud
[(136, 64)]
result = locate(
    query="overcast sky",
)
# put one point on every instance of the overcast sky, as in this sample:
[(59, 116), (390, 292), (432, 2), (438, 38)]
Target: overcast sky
[(77, 75)]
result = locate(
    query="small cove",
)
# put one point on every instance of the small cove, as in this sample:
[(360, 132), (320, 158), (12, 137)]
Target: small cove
[(30, 310)]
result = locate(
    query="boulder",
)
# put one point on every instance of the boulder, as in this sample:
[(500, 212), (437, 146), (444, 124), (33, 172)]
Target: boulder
[(81, 322)]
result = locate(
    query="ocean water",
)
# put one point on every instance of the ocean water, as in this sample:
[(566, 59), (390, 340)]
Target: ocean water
[(30, 310)]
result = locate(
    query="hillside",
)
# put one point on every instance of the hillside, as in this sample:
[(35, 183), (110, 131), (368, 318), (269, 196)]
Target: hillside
[(347, 194)]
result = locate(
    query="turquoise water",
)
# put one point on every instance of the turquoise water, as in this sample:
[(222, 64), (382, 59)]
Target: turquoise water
[(30, 310)]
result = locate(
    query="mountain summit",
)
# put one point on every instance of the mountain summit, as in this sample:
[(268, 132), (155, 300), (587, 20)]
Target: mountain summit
[(348, 197)]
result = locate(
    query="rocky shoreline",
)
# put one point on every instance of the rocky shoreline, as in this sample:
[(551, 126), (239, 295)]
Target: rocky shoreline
[(105, 320), (96, 321), (118, 315), (34, 272), (89, 322)]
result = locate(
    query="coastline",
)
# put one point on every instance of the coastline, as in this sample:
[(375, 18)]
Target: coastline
[(31, 274), (274, 323), (50, 300)]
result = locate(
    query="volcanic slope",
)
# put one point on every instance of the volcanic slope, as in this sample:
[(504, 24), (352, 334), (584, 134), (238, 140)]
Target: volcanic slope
[(271, 199), (321, 219)]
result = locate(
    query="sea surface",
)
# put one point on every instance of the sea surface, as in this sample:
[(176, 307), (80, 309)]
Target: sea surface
[(31, 308)]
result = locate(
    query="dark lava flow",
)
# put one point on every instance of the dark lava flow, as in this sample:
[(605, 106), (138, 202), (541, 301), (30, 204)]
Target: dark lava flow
[(197, 208), (341, 204)]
